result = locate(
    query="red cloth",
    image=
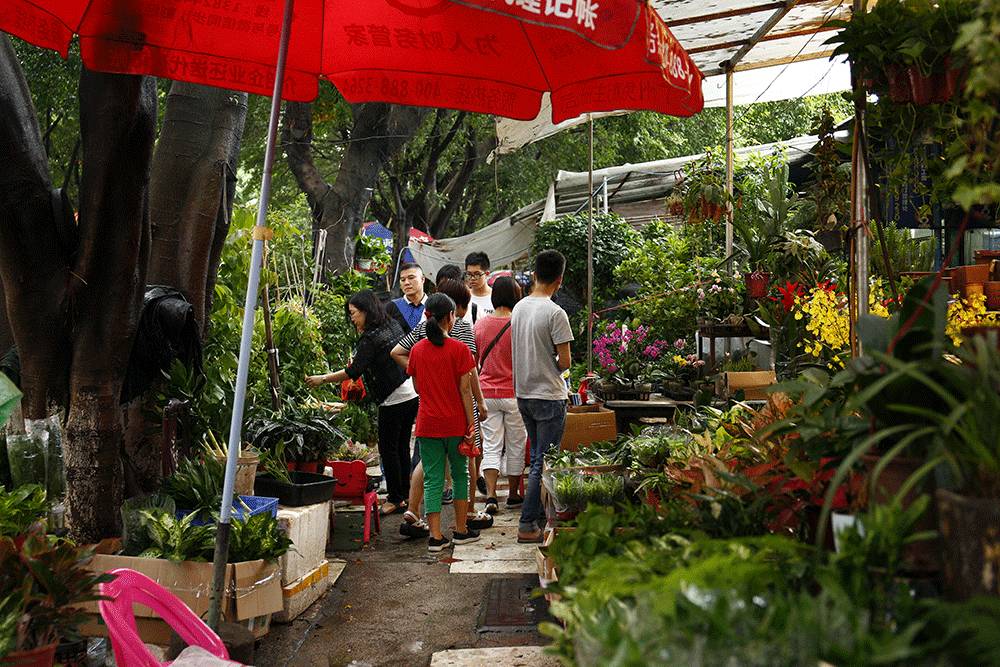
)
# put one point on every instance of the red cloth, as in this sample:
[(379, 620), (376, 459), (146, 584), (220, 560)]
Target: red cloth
[(497, 375), (483, 56), (438, 372)]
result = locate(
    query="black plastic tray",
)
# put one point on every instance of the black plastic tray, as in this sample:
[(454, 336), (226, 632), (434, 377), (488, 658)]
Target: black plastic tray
[(307, 488)]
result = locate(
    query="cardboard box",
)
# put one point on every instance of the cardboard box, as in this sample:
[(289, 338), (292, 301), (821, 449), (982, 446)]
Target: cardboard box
[(308, 527), (753, 384), (252, 592), (587, 424)]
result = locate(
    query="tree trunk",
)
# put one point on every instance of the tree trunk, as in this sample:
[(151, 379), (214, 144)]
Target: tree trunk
[(379, 131), (117, 124), (34, 262), (192, 187)]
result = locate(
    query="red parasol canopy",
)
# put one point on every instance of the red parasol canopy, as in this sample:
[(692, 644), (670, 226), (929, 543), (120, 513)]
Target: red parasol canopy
[(487, 56)]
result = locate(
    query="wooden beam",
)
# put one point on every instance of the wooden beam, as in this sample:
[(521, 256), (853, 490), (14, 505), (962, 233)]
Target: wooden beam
[(730, 13), (762, 32), (721, 46)]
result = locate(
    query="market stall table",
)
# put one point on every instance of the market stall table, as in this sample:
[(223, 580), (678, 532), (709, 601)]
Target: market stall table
[(628, 412)]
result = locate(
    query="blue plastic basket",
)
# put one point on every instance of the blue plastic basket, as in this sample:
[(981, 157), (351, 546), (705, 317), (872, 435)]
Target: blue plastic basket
[(257, 505)]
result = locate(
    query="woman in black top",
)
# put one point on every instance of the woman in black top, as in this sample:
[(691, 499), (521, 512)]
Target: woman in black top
[(387, 385)]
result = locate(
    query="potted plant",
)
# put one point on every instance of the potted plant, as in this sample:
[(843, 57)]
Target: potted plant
[(705, 196), (370, 253), (306, 435), (757, 244), (42, 583), (627, 358)]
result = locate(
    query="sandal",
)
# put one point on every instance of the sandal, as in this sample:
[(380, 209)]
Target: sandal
[(411, 518), (388, 508), (492, 507)]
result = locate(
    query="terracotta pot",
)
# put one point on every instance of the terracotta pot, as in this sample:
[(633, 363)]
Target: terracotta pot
[(757, 284), (43, 656), (992, 292), (923, 556), (922, 88), (899, 84), (970, 535)]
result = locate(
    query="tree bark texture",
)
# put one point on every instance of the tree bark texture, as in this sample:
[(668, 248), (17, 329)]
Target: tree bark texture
[(192, 188), (118, 126), (35, 259), (379, 132)]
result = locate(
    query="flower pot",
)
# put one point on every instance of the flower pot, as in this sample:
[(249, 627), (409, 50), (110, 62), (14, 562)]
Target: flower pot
[(899, 84), (923, 88), (757, 284), (43, 656), (365, 264), (841, 522), (246, 471), (970, 535)]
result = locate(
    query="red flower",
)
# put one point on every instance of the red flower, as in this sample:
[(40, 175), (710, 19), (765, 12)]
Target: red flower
[(788, 294), (827, 286)]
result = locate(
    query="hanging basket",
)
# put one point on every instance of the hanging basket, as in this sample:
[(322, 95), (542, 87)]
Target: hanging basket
[(757, 283), (899, 84)]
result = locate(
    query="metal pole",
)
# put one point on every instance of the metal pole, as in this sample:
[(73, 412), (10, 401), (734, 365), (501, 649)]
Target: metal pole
[(604, 196), (590, 253), (859, 209), (253, 283), (729, 169)]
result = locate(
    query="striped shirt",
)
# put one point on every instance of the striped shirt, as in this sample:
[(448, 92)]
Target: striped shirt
[(462, 332)]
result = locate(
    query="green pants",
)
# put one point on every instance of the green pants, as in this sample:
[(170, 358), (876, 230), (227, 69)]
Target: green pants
[(433, 452)]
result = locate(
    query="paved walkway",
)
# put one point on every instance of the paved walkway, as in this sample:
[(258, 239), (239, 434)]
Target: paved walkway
[(396, 604)]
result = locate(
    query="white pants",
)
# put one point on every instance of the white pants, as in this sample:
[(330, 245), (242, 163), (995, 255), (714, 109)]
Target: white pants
[(504, 436)]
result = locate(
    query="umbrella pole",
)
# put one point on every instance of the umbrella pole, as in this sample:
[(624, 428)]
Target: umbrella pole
[(590, 253), (253, 283)]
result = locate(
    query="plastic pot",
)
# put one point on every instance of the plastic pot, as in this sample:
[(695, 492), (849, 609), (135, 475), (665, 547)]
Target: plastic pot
[(899, 84), (43, 656), (923, 88), (757, 283), (968, 528), (246, 472), (55, 472)]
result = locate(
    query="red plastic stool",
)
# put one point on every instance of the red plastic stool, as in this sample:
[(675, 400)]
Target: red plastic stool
[(352, 485)]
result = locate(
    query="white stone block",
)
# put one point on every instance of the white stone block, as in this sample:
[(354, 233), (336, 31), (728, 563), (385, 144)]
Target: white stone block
[(300, 595), (308, 527)]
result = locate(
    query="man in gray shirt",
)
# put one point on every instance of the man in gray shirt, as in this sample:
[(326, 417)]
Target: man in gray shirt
[(540, 338)]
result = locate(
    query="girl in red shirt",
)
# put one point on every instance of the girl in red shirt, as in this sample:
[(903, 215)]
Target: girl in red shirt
[(441, 370)]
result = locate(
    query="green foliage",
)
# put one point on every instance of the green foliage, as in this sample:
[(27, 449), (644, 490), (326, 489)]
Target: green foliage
[(175, 539), (306, 435), (828, 193), (48, 580), (613, 240), (974, 170), (258, 537), (372, 248), (196, 485), (577, 490), (905, 253), (21, 508)]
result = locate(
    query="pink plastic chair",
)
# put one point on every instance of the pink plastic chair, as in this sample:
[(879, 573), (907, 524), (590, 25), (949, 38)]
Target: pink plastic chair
[(352, 485), (130, 587)]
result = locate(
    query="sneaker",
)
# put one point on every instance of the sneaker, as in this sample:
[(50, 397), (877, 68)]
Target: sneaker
[(514, 501), (448, 497), (491, 506), (470, 535), (532, 537), (435, 545), (480, 521), (413, 530), (481, 484)]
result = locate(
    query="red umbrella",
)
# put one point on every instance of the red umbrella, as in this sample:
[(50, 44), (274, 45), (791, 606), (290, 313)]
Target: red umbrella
[(487, 56), (591, 55)]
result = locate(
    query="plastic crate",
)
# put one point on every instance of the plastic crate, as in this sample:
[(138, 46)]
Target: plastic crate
[(257, 505)]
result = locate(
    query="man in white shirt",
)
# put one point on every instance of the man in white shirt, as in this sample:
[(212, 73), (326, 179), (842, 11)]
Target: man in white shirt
[(477, 271), (540, 338)]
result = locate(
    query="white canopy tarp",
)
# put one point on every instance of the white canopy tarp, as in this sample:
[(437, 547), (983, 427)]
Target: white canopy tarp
[(504, 241)]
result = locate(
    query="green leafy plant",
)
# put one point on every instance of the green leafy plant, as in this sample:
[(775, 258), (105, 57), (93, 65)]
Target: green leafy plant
[(576, 491), (273, 463), (373, 249), (177, 539), (48, 579), (905, 253), (358, 422), (307, 434), (196, 485), (21, 508), (258, 537)]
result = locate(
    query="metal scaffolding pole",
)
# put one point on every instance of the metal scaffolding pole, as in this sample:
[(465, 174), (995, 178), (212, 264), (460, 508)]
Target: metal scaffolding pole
[(590, 253), (859, 208), (729, 169)]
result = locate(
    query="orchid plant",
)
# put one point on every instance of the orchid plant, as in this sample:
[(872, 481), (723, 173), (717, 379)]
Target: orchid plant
[(628, 356)]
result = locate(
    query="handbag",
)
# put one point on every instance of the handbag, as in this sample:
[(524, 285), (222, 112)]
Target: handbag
[(493, 343), (469, 448), (352, 390)]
